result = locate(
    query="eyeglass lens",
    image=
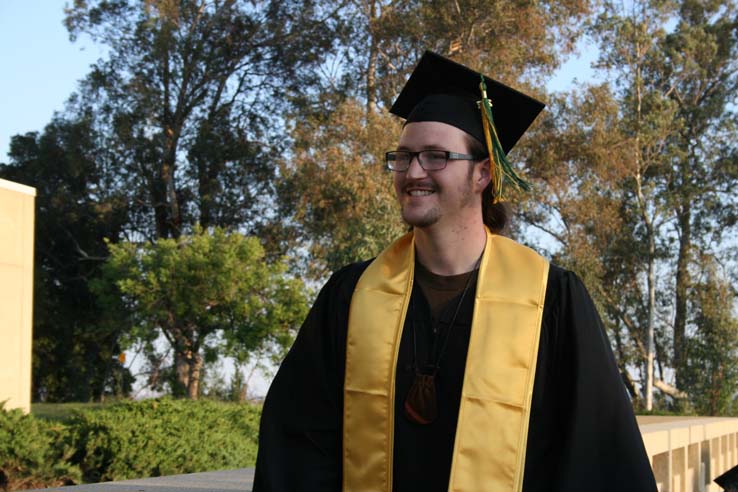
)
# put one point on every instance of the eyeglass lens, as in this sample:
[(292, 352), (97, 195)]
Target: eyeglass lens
[(428, 159)]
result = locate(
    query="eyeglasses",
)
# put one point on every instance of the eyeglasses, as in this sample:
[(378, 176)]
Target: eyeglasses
[(430, 160)]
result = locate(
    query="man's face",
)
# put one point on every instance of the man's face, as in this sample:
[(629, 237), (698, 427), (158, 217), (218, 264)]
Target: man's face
[(446, 196)]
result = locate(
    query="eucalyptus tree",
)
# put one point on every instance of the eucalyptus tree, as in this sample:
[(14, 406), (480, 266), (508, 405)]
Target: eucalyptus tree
[(629, 37), (339, 140), (190, 97), (188, 104), (631, 169), (700, 75)]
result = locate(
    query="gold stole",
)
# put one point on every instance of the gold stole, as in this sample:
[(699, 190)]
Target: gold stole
[(492, 429)]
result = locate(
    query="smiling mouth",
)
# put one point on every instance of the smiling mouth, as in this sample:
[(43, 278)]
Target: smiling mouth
[(420, 192)]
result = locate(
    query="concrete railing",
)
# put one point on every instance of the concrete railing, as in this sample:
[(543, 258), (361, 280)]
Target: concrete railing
[(688, 453)]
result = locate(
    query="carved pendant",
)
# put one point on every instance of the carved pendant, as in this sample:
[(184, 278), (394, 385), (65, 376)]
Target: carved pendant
[(421, 404)]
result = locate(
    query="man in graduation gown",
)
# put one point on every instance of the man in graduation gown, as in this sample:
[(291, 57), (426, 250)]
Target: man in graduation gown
[(457, 359)]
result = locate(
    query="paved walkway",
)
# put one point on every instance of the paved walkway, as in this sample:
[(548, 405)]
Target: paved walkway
[(219, 481)]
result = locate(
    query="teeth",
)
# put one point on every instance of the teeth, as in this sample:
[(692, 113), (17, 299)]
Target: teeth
[(420, 192)]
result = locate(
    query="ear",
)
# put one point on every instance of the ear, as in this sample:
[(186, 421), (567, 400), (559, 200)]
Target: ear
[(482, 175)]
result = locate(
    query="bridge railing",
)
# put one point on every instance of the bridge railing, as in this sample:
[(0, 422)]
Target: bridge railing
[(688, 453)]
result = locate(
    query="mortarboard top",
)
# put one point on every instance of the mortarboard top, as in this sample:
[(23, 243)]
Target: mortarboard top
[(442, 90)]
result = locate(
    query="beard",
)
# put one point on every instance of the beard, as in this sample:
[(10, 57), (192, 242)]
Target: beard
[(428, 218), (433, 214)]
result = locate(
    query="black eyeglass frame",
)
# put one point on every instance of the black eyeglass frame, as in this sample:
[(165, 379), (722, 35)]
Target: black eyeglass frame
[(450, 156)]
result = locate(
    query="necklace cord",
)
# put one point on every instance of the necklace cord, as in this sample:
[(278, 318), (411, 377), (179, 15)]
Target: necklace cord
[(436, 366)]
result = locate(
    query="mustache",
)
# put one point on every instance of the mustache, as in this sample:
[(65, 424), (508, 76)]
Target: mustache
[(426, 184)]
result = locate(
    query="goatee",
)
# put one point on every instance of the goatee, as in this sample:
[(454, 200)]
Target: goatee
[(429, 218)]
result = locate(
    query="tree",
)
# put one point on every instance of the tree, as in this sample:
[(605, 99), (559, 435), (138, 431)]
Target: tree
[(647, 122), (692, 76), (187, 99), (630, 170), (582, 166), (700, 75), (336, 190), (510, 40), (187, 104), (339, 141), (710, 373), (206, 292), (74, 357)]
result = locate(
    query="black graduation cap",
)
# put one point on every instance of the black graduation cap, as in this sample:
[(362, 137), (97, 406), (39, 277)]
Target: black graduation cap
[(729, 480), (442, 90)]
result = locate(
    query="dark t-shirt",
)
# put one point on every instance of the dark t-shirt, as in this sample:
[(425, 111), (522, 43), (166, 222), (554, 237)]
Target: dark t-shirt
[(440, 289)]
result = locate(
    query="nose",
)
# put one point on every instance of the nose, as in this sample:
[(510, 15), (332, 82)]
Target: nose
[(415, 170)]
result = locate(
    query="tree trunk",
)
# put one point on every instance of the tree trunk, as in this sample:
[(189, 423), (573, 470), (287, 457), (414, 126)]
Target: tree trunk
[(670, 390), (169, 167), (682, 285), (195, 367), (648, 222), (651, 318), (182, 367), (371, 69), (631, 387), (159, 197), (651, 283)]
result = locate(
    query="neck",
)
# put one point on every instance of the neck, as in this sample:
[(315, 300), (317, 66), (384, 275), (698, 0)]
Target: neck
[(451, 251)]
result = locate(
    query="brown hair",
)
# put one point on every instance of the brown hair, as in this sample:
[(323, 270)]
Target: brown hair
[(494, 215)]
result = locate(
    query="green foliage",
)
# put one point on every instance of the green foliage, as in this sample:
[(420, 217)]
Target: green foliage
[(126, 440), (660, 412), (636, 177), (184, 125), (711, 374), (336, 189), (61, 412), (335, 196), (209, 292), (675, 89), (185, 98), (73, 353), (168, 131), (510, 40), (164, 437), (35, 453)]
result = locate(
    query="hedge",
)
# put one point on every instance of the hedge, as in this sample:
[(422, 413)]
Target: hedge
[(128, 440), (34, 452)]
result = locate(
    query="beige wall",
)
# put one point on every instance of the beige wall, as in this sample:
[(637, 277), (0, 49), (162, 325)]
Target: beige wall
[(16, 293)]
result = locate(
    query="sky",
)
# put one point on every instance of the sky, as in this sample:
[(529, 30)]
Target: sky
[(41, 66)]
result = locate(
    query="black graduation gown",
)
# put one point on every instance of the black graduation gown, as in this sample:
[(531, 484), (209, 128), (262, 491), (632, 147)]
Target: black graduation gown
[(582, 433)]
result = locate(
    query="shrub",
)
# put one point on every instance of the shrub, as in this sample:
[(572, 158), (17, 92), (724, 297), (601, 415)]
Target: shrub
[(164, 437), (34, 453)]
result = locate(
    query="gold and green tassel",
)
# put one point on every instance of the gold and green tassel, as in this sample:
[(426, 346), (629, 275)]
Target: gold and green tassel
[(500, 168)]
